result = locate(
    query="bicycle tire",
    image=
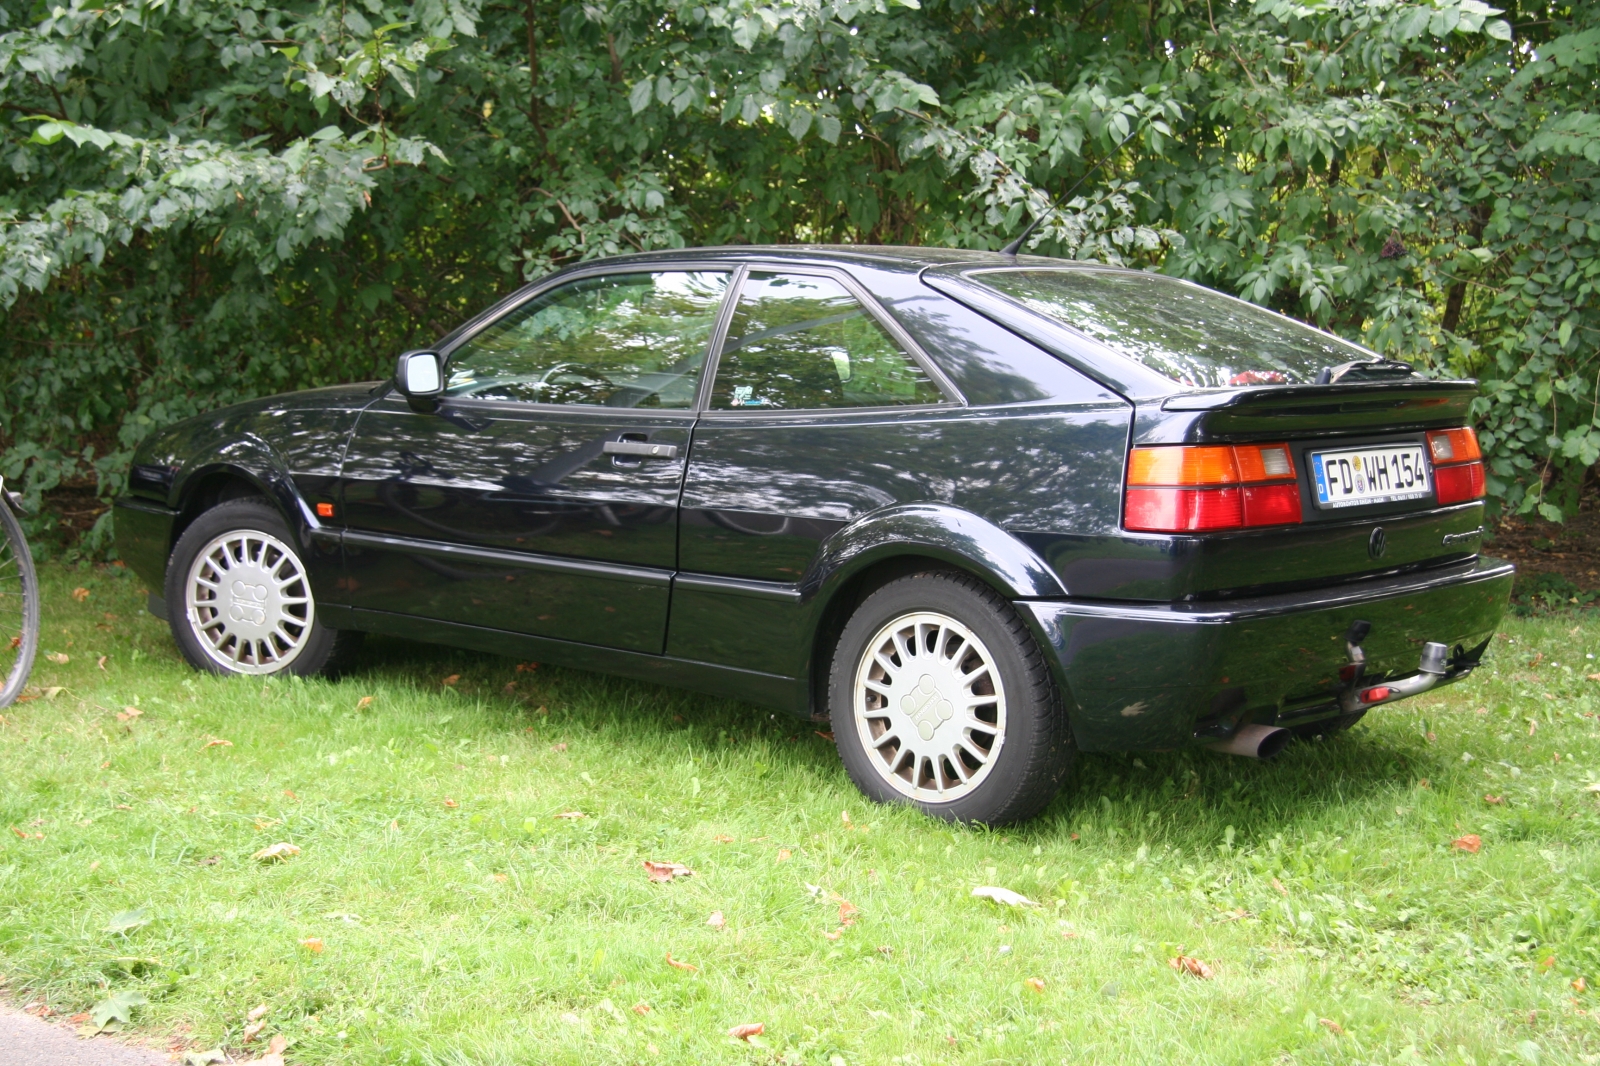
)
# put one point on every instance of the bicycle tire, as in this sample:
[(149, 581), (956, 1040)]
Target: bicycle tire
[(18, 582)]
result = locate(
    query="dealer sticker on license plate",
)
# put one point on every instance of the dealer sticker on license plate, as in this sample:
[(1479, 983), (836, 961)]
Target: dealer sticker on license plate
[(1370, 475)]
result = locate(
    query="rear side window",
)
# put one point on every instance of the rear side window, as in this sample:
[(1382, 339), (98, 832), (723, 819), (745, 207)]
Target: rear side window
[(1195, 336), (619, 340), (798, 341)]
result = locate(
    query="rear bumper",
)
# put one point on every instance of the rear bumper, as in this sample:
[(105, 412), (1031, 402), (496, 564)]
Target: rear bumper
[(1164, 676)]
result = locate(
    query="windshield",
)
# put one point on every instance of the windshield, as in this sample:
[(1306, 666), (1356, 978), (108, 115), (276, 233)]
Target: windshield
[(1195, 336)]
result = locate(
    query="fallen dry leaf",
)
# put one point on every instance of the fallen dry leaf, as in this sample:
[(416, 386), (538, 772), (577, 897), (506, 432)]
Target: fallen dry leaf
[(101, 663), (745, 1032), (722, 838), (641, 1007), (274, 1055), (257, 1013), (526, 668), (572, 815), (1036, 984), (1278, 885), (1547, 964), (501, 878), (1533, 726), (844, 816), (312, 944), (80, 593), (253, 1030), (666, 871), (216, 742), (1592, 677), (1190, 965), (784, 854), (828, 736), (847, 912), (678, 965), (1579, 984), (452, 804), (559, 747), (1003, 895), (1470, 843), (1495, 800), (60, 658), (885, 949), (452, 679), (277, 852), (210, 860), (716, 921), (1331, 1026), (363, 703), (128, 714), (833, 934)]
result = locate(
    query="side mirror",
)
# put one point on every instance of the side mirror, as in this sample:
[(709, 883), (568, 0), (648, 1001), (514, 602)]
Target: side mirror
[(419, 377)]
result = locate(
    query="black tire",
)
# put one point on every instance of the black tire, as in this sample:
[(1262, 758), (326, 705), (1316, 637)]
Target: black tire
[(19, 607), (1027, 761), (213, 642), (1327, 727)]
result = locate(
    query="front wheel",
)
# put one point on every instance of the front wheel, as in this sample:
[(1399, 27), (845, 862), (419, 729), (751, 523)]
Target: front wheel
[(940, 697), (239, 598), (19, 607)]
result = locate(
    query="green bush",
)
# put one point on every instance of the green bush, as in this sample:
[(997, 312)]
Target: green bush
[(205, 202)]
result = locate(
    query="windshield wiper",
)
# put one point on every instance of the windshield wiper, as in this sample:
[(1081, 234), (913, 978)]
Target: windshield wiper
[(1381, 369)]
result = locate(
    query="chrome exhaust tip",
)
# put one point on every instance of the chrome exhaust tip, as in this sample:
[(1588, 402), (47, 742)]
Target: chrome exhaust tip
[(1255, 741)]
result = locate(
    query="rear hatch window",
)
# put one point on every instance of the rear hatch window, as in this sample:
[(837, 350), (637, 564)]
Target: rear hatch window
[(1193, 335)]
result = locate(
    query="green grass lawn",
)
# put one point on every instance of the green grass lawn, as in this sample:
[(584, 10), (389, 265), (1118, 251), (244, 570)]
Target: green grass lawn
[(462, 921)]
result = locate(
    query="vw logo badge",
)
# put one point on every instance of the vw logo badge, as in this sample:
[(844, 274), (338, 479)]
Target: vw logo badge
[(1378, 543)]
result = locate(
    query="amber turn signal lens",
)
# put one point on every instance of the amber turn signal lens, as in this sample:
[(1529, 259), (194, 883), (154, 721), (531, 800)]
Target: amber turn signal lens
[(324, 510), (1454, 445), (1210, 464)]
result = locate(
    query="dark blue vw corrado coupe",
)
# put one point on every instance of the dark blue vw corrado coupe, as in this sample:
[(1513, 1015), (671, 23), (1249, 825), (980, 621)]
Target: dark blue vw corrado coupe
[(978, 511)]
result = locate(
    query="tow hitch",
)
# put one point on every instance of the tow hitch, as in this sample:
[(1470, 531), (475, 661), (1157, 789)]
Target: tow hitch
[(1356, 695)]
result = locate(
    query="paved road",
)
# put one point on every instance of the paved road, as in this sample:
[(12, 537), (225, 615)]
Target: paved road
[(27, 1041)]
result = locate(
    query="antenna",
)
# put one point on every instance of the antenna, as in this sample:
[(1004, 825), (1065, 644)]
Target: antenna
[(1016, 246)]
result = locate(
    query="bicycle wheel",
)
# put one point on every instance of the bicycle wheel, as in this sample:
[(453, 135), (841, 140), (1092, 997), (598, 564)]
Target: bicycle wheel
[(19, 607)]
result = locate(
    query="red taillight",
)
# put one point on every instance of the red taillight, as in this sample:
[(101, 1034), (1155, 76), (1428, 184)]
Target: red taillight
[(1457, 465), (1211, 487)]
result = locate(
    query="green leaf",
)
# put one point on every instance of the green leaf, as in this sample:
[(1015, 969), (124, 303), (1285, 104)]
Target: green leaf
[(1499, 29), (328, 133), (829, 128), (118, 1008), (1564, 334), (643, 90), (127, 921)]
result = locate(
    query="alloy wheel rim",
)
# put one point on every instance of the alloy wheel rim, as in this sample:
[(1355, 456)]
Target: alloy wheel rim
[(248, 602), (930, 707)]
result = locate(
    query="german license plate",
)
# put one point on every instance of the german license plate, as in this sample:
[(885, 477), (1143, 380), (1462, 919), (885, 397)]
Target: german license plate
[(1370, 475)]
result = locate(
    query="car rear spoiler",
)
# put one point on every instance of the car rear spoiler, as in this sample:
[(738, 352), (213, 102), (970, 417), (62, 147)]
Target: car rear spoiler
[(1311, 410)]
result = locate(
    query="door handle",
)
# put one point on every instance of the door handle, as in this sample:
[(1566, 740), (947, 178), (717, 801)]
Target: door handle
[(640, 449)]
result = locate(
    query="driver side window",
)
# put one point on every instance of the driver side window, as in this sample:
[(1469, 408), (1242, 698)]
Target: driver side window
[(618, 340)]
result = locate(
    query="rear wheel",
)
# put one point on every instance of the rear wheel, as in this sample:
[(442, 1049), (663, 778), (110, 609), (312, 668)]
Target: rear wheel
[(239, 598), (940, 697)]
